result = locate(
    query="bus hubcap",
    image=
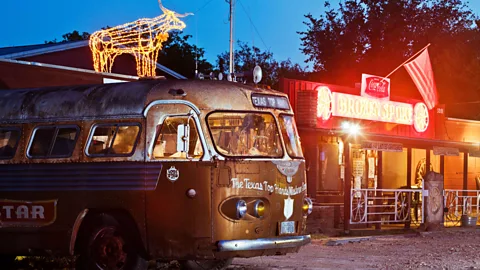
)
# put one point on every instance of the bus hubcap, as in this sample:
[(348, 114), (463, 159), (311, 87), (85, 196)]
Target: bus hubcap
[(108, 247)]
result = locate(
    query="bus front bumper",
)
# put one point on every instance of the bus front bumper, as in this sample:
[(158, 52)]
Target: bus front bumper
[(264, 243)]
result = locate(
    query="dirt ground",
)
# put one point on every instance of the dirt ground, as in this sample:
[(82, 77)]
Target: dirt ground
[(453, 248)]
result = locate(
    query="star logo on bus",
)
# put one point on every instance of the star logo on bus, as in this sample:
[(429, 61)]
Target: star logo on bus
[(173, 174)]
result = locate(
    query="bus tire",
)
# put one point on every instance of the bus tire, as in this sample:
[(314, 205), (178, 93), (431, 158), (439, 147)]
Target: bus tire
[(205, 264), (108, 245)]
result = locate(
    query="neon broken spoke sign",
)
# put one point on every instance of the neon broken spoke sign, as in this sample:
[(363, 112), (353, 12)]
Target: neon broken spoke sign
[(351, 106), (372, 109)]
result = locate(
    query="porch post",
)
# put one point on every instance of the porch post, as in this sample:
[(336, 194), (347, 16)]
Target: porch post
[(409, 182), (379, 184), (442, 166), (347, 187), (409, 167), (427, 162), (465, 172)]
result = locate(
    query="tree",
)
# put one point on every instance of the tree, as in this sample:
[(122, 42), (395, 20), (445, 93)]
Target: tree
[(375, 36), (182, 57), (290, 70), (72, 36), (247, 57)]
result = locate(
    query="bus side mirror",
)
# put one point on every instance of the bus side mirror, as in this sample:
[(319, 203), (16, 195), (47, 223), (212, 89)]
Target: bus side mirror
[(183, 138)]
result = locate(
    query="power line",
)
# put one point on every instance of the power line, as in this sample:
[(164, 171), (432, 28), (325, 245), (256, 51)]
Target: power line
[(198, 10), (254, 27), (202, 7)]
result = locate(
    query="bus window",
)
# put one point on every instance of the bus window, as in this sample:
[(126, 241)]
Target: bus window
[(64, 142), (166, 139), (113, 140), (245, 134), (290, 136), (53, 141), (8, 142)]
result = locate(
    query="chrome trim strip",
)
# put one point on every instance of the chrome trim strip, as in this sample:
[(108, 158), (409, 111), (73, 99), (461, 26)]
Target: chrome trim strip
[(170, 72), (161, 102), (76, 228), (264, 243)]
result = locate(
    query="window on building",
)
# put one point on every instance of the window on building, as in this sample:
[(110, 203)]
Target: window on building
[(166, 139), (113, 140), (53, 142), (8, 142)]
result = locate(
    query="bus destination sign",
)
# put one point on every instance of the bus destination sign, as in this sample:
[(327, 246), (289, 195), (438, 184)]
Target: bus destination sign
[(270, 101)]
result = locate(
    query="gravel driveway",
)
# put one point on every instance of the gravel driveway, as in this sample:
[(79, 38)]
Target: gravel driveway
[(454, 248)]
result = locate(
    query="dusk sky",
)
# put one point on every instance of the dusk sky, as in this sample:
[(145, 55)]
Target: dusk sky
[(274, 28)]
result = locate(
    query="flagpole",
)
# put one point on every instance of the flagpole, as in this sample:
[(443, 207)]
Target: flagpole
[(406, 61)]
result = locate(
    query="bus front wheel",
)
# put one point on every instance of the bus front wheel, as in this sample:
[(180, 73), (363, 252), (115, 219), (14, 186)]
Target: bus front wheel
[(205, 264), (107, 245)]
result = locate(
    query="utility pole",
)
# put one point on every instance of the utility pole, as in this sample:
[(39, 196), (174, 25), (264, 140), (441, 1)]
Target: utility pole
[(232, 6)]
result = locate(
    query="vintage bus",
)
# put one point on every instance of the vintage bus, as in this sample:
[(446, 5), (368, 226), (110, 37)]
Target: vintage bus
[(120, 174)]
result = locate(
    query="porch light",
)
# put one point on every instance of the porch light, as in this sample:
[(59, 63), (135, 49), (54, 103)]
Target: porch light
[(351, 128)]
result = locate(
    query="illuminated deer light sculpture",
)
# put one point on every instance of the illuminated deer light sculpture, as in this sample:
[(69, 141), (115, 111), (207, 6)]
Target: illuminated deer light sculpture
[(143, 38)]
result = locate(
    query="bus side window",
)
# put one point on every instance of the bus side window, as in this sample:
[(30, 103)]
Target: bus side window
[(8, 142), (166, 139), (53, 142), (113, 140)]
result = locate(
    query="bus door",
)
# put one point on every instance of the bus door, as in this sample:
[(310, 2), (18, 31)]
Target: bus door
[(178, 207)]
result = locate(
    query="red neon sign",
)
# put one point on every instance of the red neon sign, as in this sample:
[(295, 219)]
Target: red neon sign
[(351, 106)]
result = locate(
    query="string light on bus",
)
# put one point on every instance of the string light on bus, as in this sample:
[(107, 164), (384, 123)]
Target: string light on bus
[(142, 38)]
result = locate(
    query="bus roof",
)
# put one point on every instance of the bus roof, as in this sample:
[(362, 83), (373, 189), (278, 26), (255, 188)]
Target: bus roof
[(120, 99)]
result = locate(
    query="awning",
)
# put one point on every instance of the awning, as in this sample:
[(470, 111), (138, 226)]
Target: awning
[(382, 146), (474, 153), (445, 151)]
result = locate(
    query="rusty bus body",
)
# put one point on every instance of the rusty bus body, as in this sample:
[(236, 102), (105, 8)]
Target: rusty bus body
[(69, 185)]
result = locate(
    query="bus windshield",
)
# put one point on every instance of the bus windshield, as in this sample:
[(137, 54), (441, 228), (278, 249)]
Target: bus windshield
[(290, 136), (245, 134)]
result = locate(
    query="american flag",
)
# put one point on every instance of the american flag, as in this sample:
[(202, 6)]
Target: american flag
[(420, 69)]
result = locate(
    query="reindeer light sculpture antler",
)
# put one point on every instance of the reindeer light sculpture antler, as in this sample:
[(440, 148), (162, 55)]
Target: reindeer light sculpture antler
[(142, 38)]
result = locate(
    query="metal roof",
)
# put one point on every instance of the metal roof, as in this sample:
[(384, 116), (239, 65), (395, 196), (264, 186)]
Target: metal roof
[(19, 49), (119, 99), (33, 50), (103, 74)]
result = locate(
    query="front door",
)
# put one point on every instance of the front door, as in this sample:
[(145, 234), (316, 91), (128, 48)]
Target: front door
[(178, 208)]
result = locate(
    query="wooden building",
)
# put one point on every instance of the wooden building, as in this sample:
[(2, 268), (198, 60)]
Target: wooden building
[(352, 140), (67, 63)]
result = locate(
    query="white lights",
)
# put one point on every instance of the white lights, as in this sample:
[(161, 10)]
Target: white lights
[(324, 102), (420, 117), (142, 38), (351, 128)]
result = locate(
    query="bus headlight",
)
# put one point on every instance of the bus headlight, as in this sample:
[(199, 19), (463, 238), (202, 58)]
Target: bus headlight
[(307, 206), (259, 208), (241, 209)]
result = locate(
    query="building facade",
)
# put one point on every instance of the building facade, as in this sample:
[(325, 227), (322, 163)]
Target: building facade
[(353, 140)]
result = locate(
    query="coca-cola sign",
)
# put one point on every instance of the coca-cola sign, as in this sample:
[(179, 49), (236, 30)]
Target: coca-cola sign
[(375, 87)]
